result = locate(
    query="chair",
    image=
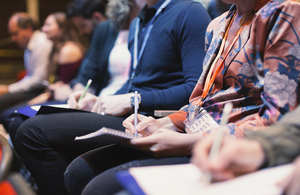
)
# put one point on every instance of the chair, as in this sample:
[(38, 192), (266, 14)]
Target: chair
[(6, 156), (163, 113), (10, 183)]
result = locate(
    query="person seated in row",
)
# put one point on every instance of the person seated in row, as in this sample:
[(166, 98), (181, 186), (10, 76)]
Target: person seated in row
[(251, 61), (66, 55), (170, 48), (265, 147), (85, 15), (37, 48)]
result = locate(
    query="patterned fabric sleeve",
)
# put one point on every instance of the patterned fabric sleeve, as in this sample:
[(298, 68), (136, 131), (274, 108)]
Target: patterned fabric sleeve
[(261, 74), (281, 142), (281, 66)]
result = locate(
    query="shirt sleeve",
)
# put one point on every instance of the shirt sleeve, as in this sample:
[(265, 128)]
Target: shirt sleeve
[(281, 68), (191, 28), (96, 63), (281, 142), (39, 73)]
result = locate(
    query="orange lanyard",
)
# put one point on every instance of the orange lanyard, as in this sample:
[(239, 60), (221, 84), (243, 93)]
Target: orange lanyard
[(211, 79)]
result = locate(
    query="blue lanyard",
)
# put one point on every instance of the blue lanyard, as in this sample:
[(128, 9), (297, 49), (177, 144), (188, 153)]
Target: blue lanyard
[(149, 28)]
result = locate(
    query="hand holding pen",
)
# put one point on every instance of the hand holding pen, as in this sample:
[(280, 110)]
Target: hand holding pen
[(146, 125), (207, 149), (77, 96)]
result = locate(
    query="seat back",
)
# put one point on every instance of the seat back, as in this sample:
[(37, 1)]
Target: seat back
[(6, 156), (10, 183)]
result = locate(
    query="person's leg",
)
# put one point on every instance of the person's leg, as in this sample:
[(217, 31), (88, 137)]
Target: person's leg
[(12, 122), (7, 115), (85, 167), (19, 98), (15, 121), (46, 144), (106, 182)]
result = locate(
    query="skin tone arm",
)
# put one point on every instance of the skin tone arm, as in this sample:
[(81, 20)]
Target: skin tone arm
[(86, 103), (115, 105), (236, 157), (160, 137), (3, 89), (69, 53)]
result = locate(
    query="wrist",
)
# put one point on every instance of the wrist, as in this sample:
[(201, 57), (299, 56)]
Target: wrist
[(132, 99), (166, 123)]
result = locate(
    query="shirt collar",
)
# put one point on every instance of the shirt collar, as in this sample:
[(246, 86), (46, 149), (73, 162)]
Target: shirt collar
[(147, 13)]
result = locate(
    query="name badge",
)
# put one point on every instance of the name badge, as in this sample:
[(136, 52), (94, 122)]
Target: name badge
[(199, 122)]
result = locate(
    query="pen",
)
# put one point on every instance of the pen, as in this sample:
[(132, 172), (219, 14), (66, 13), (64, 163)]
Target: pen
[(136, 107), (85, 90), (218, 139)]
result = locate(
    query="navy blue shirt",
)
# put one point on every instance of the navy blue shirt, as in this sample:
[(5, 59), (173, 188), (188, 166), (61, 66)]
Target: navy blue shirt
[(172, 60)]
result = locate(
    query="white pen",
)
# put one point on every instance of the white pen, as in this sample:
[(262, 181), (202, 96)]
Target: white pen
[(136, 107), (218, 139)]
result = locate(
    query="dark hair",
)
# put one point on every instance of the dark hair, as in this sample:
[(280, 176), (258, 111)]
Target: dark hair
[(69, 34), (25, 21), (86, 8)]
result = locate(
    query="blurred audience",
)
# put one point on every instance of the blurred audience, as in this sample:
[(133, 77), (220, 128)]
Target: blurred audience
[(84, 12), (85, 15), (37, 48), (66, 55)]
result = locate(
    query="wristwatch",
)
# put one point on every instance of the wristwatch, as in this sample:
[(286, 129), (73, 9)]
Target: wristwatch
[(132, 99)]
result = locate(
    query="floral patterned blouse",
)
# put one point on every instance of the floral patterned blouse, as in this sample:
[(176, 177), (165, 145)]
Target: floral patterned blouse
[(260, 75)]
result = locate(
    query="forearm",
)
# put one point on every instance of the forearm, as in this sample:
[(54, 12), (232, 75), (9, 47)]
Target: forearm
[(166, 123), (186, 143), (26, 84)]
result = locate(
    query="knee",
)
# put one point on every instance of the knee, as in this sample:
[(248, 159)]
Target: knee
[(14, 123), (77, 175), (27, 134)]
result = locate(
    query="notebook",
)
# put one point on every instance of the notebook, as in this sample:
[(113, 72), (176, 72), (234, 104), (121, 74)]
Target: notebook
[(107, 135), (186, 179)]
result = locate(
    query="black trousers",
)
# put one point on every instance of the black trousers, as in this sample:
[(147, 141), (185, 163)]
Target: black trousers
[(46, 144), (94, 172), (13, 99)]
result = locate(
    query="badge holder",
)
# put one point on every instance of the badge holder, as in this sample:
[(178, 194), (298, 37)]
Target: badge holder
[(199, 121)]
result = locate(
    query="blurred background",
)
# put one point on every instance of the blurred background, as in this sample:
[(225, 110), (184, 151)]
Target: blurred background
[(11, 57)]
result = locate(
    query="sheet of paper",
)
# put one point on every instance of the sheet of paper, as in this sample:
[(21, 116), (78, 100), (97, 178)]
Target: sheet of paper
[(186, 179), (37, 107)]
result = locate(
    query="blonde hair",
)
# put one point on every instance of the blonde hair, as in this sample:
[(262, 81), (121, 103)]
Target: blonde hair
[(119, 12)]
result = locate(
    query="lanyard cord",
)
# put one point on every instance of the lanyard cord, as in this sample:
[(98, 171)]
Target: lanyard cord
[(211, 79), (149, 29), (136, 57)]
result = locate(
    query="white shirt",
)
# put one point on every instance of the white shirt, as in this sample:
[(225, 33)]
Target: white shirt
[(119, 64), (36, 58)]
